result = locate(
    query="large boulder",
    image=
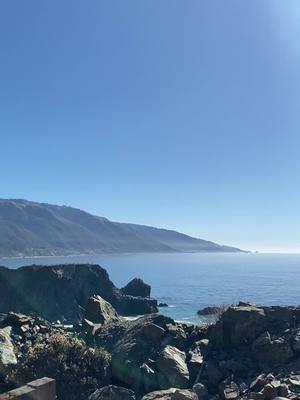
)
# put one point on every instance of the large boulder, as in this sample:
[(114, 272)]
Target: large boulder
[(137, 287), (173, 371), (112, 393), (243, 324), (61, 292), (268, 351), (100, 311), (134, 351), (171, 394), (7, 353)]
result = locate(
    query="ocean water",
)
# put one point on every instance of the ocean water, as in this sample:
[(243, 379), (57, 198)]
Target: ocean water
[(188, 282)]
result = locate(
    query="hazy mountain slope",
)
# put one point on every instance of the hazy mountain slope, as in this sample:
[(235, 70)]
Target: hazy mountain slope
[(29, 228)]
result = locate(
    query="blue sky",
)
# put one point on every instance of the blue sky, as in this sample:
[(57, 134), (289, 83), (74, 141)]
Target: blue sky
[(180, 114)]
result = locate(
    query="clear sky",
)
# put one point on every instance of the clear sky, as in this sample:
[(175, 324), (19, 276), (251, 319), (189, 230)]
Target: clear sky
[(179, 114)]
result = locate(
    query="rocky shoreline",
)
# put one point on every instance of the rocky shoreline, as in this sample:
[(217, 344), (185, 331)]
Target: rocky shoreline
[(250, 353)]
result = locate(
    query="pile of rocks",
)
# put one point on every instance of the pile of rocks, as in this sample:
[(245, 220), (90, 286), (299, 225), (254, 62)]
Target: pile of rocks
[(251, 352), (18, 333), (26, 331)]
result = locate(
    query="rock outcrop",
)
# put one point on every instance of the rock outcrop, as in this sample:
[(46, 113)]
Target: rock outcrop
[(209, 311), (100, 311), (61, 292), (173, 371), (137, 287)]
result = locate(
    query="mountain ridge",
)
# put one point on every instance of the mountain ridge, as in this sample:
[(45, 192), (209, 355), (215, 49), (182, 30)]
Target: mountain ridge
[(29, 228)]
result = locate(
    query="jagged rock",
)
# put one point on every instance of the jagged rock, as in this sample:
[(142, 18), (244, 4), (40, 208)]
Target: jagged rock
[(284, 390), (242, 325), (90, 328), (16, 320), (201, 391), (137, 287), (268, 351), (153, 332), (270, 391), (131, 349), (195, 361), (100, 311), (148, 377), (161, 305), (204, 346), (176, 336), (7, 354), (259, 382), (171, 394), (172, 368), (209, 310), (112, 393), (183, 394), (294, 380), (279, 317), (231, 392)]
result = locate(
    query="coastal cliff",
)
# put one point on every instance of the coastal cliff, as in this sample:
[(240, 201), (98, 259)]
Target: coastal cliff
[(61, 292)]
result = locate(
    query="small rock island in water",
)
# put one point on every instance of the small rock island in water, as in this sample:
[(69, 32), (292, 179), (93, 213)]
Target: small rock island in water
[(67, 322)]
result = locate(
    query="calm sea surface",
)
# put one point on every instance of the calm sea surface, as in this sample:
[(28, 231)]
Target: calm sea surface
[(188, 282)]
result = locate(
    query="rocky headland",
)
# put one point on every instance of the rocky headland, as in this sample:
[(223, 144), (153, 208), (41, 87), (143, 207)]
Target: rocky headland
[(61, 292), (250, 353)]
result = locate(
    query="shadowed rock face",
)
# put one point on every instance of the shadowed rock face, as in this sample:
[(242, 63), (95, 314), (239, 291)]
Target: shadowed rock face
[(62, 291)]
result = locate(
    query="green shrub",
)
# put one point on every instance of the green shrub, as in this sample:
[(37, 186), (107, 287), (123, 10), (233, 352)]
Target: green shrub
[(77, 369)]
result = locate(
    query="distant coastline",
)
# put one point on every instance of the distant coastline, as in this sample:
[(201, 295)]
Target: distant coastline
[(39, 230)]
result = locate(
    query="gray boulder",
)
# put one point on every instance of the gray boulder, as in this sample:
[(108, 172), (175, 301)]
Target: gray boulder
[(133, 351), (7, 354), (243, 324), (173, 371), (100, 311), (112, 393)]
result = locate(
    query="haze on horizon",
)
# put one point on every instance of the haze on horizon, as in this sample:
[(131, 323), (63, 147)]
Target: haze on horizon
[(182, 115)]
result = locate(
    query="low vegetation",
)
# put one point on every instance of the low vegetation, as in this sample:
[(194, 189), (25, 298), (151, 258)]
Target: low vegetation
[(76, 367)]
